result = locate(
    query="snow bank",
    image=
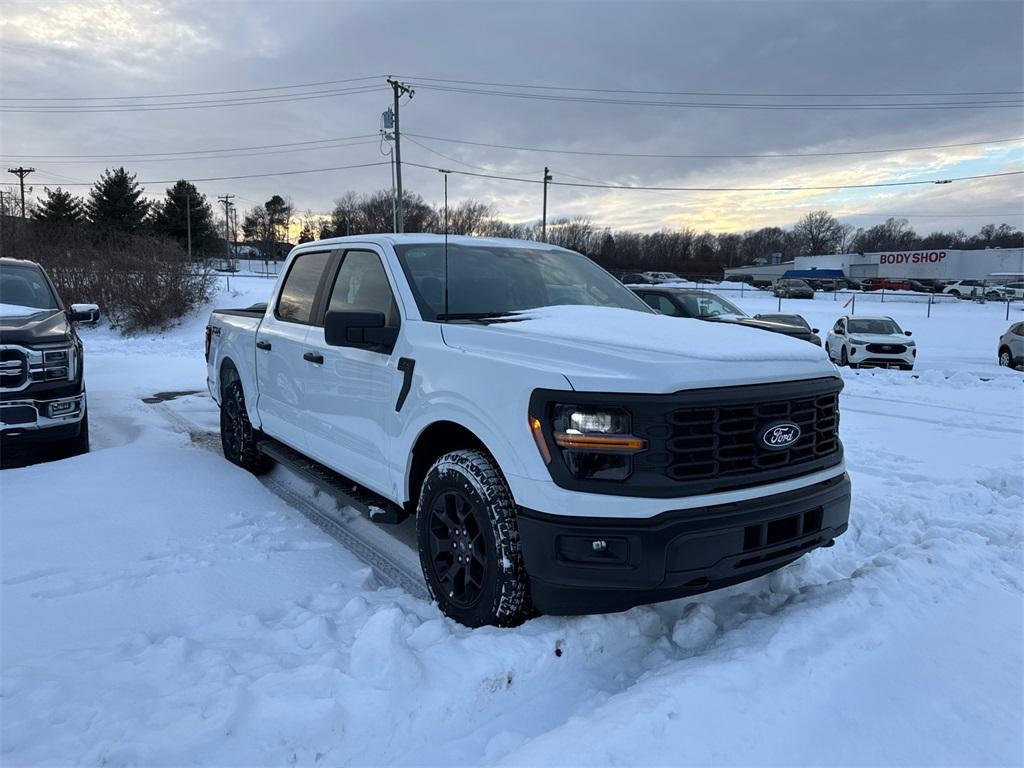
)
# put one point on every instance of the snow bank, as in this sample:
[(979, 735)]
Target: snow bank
[(161, 606)]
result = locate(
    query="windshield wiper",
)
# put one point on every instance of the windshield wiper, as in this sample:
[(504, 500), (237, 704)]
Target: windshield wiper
[(472, 315)]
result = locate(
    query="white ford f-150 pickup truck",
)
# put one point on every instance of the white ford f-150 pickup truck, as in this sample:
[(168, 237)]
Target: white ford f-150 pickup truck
[(563, 447)]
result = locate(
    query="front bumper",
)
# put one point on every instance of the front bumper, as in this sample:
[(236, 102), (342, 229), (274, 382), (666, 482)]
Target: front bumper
[(582, 565), (860, 355), (37, 419)]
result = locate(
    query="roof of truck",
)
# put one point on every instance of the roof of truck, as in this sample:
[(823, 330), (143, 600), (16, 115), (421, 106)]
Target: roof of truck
[(423, 238)]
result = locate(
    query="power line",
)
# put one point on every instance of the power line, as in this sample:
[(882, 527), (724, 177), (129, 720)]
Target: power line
[(714, 93), (121, 159), (731, 189), (169, 106), (251, 175), (196, 151), (768, 156), (456, 160), (198, 93), (984, 104)]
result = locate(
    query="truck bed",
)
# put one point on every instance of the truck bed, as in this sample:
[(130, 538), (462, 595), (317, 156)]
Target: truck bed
[(256, 310)]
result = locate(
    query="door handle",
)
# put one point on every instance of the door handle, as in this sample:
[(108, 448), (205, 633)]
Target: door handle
[(263, 345), (313, 357)]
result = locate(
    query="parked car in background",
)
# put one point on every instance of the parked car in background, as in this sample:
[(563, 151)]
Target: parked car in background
[(662, 277), (1014, 290), (874, 342), (796, 321), (634, 278), (704, 305), (887, 284), (964, 288), (566, 458), (1011, 347), (42, 387), (748, 279), (792, 288)]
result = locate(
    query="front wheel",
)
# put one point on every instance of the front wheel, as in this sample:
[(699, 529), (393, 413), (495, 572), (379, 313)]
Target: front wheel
[(844, 359), (469, 542), (1005, 359), (238, 439)]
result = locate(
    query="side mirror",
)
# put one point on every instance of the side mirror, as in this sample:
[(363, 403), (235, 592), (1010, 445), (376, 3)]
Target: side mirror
[(908, 333), (85, 314), (815, 330), (363, 330)]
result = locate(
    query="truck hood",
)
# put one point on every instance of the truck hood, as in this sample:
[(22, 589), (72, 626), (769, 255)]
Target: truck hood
[(607, 349), (27, 325), (882, 338)]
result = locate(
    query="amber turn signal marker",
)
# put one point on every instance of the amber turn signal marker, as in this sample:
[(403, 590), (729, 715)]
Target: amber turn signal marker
[(623, 443), (538, 437)]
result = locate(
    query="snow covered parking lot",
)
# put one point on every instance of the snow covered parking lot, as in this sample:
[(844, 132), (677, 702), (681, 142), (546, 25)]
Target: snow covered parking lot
[(161, 606)]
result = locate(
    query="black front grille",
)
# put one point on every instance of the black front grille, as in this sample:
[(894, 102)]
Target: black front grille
[(709, 440), (724, 442), (13, 368), (886, 349)]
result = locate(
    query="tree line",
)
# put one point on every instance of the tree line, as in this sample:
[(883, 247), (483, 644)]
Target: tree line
[(116, 201)]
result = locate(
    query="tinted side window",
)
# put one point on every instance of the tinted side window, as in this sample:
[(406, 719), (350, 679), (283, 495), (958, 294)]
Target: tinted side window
[(298, 293), (838, 327), (363, 285), (650, 299)]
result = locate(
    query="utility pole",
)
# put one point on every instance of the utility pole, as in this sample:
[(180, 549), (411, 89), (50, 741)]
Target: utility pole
[(225, 200), (21, 173), (188, 222), (544, 213), (399, 89)]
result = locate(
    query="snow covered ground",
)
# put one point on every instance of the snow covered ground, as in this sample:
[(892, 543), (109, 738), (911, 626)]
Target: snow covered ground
[(160, 606)]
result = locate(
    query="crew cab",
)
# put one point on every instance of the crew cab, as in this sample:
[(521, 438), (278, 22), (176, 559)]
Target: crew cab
[(563, 447), (871, 342), (42, 388)]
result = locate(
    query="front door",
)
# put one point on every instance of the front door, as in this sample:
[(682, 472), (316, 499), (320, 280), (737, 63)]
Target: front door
[(352, 389), (281, 369)]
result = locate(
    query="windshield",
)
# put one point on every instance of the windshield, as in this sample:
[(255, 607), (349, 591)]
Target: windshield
[(24, 285), (488, 280), (796, 320), (708, 305), (881, 325)]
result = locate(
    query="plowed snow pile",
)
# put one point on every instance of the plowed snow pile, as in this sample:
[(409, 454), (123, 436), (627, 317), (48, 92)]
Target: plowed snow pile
[(160, 606)]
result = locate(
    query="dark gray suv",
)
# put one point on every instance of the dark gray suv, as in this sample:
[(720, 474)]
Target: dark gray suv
[(1011, 347)]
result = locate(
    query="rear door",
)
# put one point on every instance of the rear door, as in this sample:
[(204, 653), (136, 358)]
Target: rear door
[(353, 390), (281, 368)]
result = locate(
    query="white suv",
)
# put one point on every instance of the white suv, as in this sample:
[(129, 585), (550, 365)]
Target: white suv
[(875, 342)]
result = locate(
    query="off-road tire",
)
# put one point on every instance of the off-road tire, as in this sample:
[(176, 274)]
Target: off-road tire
[(238, 439), (503, 597)]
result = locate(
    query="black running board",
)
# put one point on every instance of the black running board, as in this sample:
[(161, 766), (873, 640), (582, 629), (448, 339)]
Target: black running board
[(366, 502)]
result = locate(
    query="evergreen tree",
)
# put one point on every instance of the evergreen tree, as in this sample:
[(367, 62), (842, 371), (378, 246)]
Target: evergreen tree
[(116, 201), (59, 207), (171, 217), (307, 234)]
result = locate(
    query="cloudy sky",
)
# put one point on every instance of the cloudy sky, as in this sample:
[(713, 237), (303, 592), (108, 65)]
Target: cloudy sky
[(64, 67)]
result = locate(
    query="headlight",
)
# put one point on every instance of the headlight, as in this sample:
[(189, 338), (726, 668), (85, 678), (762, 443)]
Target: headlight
[(595, 442), (60, 364), (857, 341), (910, 343)]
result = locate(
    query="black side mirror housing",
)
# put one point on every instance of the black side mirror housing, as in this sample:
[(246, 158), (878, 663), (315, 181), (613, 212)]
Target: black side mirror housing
[(363, 330), (908, 333), (815, 330), (84, 314)]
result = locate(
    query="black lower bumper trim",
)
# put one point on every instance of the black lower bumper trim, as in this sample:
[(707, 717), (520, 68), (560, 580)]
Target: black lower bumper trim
[(591, 565)]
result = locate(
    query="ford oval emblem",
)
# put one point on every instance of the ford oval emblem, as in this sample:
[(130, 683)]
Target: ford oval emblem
[(776, 437)]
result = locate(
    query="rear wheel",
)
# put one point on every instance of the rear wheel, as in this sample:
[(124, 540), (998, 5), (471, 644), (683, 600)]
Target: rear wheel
[(1005, 358), (238, 439), (469, 542)]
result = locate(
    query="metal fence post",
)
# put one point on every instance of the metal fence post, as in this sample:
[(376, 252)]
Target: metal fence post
[(853, 308), (1007, 309), (780, 304), (883, 295), (930, 295)]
